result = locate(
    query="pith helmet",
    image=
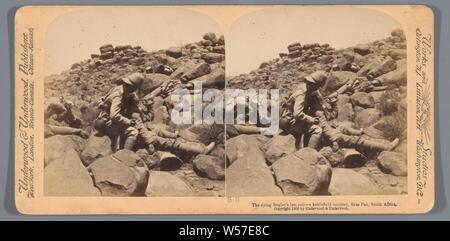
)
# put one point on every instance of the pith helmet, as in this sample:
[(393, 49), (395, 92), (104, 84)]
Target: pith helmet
[(135, 79), (317, 77)]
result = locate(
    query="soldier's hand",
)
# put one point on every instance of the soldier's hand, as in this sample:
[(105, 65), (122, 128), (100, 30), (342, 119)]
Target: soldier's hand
[(292, 121)]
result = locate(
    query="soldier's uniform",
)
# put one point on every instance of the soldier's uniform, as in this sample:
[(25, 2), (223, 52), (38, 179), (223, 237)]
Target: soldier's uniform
[(346, 137), (116, 109), (167, 141), (300, 107)]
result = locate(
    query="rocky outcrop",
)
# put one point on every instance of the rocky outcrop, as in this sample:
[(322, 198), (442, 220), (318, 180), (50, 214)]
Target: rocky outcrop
[(303, 173), (164, 184), (248, 173), (120, 174), (349, 182)]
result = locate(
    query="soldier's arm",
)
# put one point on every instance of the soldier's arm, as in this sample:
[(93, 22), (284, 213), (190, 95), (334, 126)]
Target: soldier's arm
[(352, 131), (299, 107), (115, 112)]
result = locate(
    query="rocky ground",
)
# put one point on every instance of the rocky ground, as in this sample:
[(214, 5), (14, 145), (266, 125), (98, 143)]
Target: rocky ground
[(267, 166), (79, 167)]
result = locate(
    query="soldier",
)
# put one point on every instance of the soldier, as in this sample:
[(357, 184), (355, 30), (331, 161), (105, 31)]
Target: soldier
[(345, 137), (297, 117), (60, 110), (116, 109), (158, 139)]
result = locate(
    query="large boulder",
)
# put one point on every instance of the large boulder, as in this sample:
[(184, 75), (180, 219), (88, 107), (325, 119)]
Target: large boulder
[(393, 163), (174, 52), (344, 108), (96, 147), (349, 182), (55, 148), (396, 77), (216, 79), (367, 117), (209, 166), (120, 174), (362, 49), (248, 173), (363, 99), (398, 33), (164, 184), (212, 58), (65, 175), (305, 172), (280, 146), (196, 71), (397, 54), (386, 66)]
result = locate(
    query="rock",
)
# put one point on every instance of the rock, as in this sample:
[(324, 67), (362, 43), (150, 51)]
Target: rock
[(106, 48), (377, 95), (294, 47), (362, 49), (164, 184), (384, 67), (398, 33), (65, 175), (209, 166), (182, 69), (218, 151), (210, 36), (344, 108), (120, 174), (338, 79), (219, 49), (295, 54), (344, 157), (397, 54), (174, 52), (248, 175), (393, 163), (363, 99), (396, 77), (107, 55), (212, 58), (367, 117), (96, 147), (384, 128), (305, 172), (349, 182), (196, 71), (279, 146), (56, 146), (216, 79)]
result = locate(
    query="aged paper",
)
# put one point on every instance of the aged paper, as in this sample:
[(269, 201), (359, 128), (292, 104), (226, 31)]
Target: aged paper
[(224, 109)]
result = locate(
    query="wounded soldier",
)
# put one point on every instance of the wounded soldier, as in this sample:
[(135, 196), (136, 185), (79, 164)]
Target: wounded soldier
[(344, 137)]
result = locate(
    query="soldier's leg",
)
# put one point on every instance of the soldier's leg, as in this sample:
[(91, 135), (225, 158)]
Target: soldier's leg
[(381, 145), (64, 130), (130, 136), (243, 129), (315, 132)]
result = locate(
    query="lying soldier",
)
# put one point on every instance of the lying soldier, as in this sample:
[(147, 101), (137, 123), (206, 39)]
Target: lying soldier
[(344, 137), (163, 140)]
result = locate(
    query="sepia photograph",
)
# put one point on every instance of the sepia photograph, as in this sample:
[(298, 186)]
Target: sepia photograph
[(341, 77), (108, 128), (271, 109)]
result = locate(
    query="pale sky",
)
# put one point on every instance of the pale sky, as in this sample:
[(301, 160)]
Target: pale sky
[(76, 35), (253, 38), (262, 35)]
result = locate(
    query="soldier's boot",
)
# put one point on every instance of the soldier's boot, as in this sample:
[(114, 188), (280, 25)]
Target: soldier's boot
[(380, 145), (314, 141), (195, 147), (129, 143)]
